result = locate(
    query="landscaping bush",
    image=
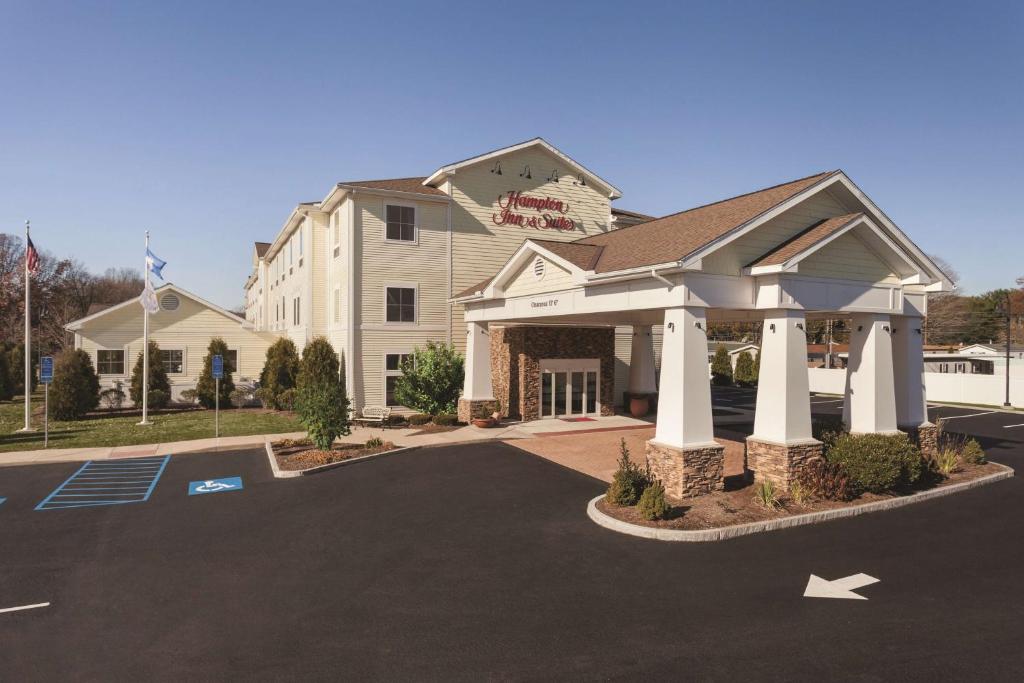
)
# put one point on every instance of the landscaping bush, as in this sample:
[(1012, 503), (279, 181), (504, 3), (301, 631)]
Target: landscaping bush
[(652, 504), (76, 388), (6, 383), (158, 398), (721, 368), (375, 442), (396, 421), (825, 480), (157, 379), (746, 375), (190, 396), (947, 461), (280, 373), (827, 428), (265, 397), (971, 453), (799, 492), (320, 400), (446, 419), (877, 463), (286, 399), (431, 379), (629, 481), (206, 388), (239, 397), (113, 398), (420, 419), (16, 368)]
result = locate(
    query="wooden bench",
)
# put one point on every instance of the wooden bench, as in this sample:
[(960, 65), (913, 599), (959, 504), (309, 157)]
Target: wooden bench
[(370, 415)]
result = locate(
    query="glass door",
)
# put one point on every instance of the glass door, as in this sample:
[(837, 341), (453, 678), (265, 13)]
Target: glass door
[(569, 392)]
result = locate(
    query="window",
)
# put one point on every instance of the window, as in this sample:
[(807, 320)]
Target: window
[(110, 362), (173, 360), (296, 306), (401, 222), (392, 371), (231, 361), (401, 305), (337, 304)]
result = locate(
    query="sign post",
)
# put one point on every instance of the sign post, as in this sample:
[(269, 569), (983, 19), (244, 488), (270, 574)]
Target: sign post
[(218, 373), (45, 377)]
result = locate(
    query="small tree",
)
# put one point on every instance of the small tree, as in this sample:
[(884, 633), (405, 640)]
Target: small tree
[(320, 399), (721, 367), (746, 375), (76, 388), (158, 381), (757, 367), (6, 385), (280, 371), (431, 379), (206, 388)]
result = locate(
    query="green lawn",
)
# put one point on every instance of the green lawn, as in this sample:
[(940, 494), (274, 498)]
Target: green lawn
[(122, 430)]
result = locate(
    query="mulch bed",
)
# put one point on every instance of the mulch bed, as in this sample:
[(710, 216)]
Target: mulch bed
[(300, 455), (736, 505)]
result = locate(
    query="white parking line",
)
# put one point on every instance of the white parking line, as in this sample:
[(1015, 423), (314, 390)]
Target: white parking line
[(957, 417), (18, 609), (1010, 426)]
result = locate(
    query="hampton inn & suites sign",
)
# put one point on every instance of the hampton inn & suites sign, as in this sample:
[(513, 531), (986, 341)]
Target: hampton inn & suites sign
[(549, 214)]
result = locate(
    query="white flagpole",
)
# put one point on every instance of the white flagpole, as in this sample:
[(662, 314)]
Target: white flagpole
[(145, 344), (28, 341)]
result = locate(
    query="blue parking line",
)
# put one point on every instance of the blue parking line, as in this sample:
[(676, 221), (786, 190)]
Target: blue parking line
[(107, 483)]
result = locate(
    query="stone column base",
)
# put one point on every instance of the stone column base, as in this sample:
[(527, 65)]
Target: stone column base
[(687, 472), (779, 463), (468, 407), (925, 437)]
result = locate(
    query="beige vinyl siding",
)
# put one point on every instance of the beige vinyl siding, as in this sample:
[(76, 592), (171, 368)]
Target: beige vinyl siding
[(337, 277), (526, 282), (731, 259), (480, 248), (320, 296), (847, 258), (376, 343), (190, 328)]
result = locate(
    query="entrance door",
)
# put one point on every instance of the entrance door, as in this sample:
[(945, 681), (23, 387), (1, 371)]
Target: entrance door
[(569, 388)]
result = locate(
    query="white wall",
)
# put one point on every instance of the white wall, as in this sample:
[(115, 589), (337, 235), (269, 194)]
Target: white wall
[(941, 387)]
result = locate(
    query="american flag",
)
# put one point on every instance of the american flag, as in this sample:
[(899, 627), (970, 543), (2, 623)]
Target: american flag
[(32, 258)]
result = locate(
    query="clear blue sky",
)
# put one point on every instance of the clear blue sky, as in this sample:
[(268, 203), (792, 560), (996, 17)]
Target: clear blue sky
[(207, 122)]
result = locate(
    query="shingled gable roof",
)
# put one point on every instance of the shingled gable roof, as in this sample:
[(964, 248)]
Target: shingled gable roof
[(804, 240), (673, 237), (412, 185), (583, 256)]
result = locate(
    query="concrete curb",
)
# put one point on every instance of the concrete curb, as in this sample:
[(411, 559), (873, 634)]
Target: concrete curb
[(723, 533), (288, 474)]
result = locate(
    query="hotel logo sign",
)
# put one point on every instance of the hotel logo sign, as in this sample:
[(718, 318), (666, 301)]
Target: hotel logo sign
[(550, 213)]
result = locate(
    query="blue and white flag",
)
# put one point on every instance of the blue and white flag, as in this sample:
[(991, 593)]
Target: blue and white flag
[(155, 264)]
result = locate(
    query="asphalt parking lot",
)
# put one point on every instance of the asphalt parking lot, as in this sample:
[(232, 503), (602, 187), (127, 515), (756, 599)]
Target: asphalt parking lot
[(478, 562)]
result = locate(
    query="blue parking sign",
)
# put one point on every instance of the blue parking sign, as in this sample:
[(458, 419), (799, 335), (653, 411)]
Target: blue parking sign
[(46, 369), (218, 367), (196, 488)]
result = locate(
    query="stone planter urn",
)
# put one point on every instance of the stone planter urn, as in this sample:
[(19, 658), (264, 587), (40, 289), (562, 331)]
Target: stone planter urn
[(639, 406), (484, 422)]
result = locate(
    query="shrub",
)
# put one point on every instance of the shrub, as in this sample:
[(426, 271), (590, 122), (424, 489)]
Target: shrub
[(947, 461), (240, 397), (799, 492), (320, 399), (419, 419), (280, 372), (75, 389), (971, 453), (375, 442), (396, 421), (206, 388), (825, 480), (877, 462), (765, 494), (721, 368), (265, 397), (431, 379), (746, 374), (157, 379), (286, 400), (16, 369), (6, 382), (629, 481), (827, 428), (158, 398), (189, 396), (446, 419), (652, 504), (113, 398)]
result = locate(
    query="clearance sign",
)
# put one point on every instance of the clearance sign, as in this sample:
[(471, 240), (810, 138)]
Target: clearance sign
[(548, 213)]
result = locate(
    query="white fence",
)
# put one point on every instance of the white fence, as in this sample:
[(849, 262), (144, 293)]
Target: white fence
[(939, 386)]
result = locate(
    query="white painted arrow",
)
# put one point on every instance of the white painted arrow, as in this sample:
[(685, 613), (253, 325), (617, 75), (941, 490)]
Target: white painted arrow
[(818, 587)]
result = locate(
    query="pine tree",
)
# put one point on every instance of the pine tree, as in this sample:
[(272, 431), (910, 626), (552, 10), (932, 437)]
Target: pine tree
[(745, 372), (206, 387), (321, 401), (76, 388), (721, 367), (159, 385), (280, 371)]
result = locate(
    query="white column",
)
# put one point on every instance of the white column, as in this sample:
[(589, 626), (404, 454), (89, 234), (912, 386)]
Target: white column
[(477, 385), (641, 362), (684, 399), (908, 371), (783, 413), (870, 401)]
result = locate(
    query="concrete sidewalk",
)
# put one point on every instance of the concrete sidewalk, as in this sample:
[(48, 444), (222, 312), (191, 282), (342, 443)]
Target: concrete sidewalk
[(402, 437)]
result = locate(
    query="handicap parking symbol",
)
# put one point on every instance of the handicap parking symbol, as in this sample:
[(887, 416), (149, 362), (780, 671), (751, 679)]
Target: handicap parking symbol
[(2, 501), (196, 488)]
